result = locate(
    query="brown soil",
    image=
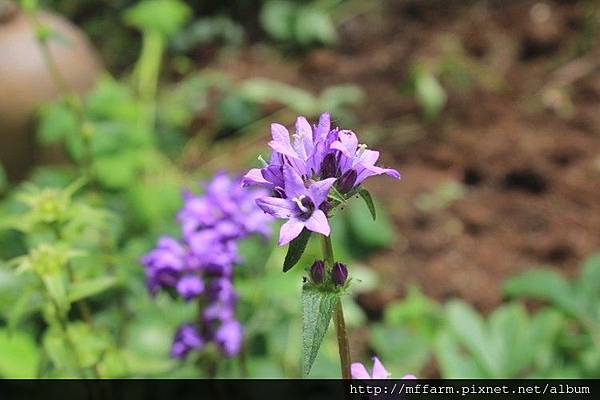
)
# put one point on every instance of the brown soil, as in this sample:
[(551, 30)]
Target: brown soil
[(528, 159)]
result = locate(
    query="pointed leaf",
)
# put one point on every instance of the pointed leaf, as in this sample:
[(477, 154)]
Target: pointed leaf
[(453, 363), (544, 284), (334, 194), (296, 249), (81, 290), (30, 301), (317, 308), (470, 330), (369, 202)]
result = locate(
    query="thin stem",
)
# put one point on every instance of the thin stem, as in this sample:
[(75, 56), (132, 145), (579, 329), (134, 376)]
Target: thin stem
[(148, 70), (82, 305), (327, 251), (73, 99), (342, 338), (338, 316)]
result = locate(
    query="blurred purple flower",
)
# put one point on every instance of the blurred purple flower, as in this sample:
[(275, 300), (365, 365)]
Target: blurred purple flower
[(186, 339), (164, 264), (229, 338), (359, 371), (201, 264), (190, 286)]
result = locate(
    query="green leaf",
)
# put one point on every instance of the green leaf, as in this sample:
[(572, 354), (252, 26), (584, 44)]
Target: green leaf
[(509, 341), (406, 348), (430, 94), (317, 308), (470, 330), (590, 278), (296, 249), (56, 288), (81, 290), (20, 356), (544, 284), (57, 122), (368, 235), (30, 301), (164, 16), (314, 25), (453, 363), (334, 194), (276, 18), (117, 171), (366, 196), (89, 345)]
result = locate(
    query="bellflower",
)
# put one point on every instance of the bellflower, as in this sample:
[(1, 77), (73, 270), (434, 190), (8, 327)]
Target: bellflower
[(359, 371), (303, 168), (308, 175), (301, 207), (356, 157)]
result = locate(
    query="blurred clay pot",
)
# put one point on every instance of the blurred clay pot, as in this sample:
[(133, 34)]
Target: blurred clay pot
[(25, 82)]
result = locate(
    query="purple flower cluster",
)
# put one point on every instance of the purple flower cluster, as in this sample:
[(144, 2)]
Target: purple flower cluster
[(303, 169), (201, 264)]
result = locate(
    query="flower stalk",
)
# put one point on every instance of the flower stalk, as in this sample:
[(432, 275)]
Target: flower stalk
[(338, 316)]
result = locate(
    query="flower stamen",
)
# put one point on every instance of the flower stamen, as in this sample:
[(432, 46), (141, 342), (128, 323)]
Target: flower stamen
[(298, 201), (361, 149)]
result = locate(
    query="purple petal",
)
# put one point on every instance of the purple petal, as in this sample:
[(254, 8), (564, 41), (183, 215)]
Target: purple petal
[(358, 371), (347, 143), (290, 230), (283, 149), (255, 177), (294, 185), (409, 376), (303, 141), (379, 372), (323, 128), (279, 133), (273, 174), (367, 158), (319, 190), (279, 208), (366, 172), (318, 223), (281, 141)]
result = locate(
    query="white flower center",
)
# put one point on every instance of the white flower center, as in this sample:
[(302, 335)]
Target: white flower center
[(361, 149), (298, 201)]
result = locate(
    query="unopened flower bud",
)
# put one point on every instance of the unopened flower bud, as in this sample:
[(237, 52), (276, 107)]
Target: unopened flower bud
[(317, 272), (346, 181), (329, 168), (339, 273)]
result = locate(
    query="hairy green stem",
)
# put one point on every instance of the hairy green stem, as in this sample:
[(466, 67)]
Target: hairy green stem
[(62, 323), (338, 315)]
